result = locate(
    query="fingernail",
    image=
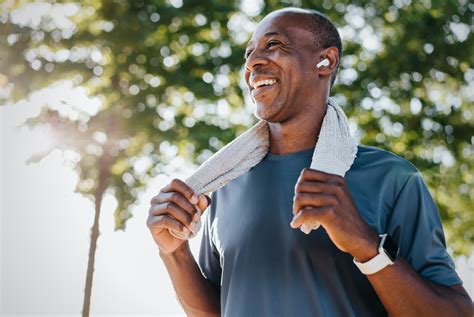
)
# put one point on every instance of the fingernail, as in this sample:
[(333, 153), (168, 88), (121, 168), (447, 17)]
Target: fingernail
[(194, 199), (185, 230), (292, 223)]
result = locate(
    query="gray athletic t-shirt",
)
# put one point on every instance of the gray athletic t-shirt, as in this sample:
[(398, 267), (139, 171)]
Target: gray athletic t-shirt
[(263, 267)]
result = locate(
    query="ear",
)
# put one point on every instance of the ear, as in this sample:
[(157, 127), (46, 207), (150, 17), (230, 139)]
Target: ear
[(332, 55)]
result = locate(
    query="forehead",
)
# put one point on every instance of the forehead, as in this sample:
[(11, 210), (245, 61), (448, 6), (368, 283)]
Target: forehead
[(289, 24)]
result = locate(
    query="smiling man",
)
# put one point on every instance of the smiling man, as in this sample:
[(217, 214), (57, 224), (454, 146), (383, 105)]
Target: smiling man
[(381, 248)]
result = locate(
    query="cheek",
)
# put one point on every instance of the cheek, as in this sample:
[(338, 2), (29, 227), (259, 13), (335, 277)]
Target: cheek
[(246, 78), (303, 79), (310, 73)]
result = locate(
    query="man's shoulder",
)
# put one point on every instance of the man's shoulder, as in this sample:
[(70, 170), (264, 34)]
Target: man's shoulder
[(381, 162)]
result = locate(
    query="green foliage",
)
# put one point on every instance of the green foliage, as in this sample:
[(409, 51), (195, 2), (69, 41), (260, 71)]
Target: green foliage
[(169, 81)]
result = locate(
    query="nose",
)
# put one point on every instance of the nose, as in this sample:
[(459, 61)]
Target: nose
[(255, 59)]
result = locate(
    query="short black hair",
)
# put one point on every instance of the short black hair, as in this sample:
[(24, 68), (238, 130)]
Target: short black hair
[(324, 31)]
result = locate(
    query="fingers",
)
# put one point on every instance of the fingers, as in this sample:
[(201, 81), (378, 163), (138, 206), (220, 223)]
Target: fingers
[(177, 185), (178, 199), (171, 209), (315, 188), (302, 200), (308, 174), (175, 202), (312, 187), (318, 187), (166, 222), (180, 203), (311, 214)]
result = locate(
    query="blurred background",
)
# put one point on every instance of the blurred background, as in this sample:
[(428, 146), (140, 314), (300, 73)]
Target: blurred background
[(103, 102)]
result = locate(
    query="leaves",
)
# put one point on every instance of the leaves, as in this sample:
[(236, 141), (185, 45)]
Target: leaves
[(168, 77)]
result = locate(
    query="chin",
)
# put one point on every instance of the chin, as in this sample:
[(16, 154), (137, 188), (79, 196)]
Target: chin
[(268, 113)]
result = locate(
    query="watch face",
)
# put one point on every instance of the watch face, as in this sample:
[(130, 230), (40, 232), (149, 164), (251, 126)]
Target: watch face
[(391, 248)]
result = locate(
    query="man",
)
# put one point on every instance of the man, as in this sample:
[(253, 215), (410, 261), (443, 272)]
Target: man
[(252, 260)]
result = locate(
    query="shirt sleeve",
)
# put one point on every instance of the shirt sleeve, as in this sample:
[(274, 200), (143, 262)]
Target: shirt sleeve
[(416, 225), (209, 259)]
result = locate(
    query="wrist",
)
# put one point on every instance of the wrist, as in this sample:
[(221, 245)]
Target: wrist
[(181, 251), (367, 249), (387, 254)]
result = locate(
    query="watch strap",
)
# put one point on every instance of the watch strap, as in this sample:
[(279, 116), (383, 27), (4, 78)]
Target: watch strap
[(378, 262), (375, 264)]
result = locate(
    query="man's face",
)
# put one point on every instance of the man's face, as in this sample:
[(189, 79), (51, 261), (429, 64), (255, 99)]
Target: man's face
[(279, 68)]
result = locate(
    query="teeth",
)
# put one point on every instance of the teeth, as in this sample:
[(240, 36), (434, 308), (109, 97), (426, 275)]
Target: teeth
[(265, 82)]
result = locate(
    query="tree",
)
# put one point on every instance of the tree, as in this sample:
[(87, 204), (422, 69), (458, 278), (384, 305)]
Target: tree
[(149, 112), (168, 77)]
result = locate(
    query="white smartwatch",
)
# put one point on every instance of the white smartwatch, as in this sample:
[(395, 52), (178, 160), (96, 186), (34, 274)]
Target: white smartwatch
[(388, 252)]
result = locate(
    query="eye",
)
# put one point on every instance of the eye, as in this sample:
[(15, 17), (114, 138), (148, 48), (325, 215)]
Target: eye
[(247, 53), (272, 43)]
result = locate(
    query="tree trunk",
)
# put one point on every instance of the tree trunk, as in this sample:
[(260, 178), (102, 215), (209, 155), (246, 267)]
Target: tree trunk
[(104, 168)]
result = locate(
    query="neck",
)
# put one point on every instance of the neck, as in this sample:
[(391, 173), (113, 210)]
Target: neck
[(300, 132)]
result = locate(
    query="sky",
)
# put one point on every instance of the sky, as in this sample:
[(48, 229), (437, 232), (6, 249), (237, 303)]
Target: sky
[(45, 237)]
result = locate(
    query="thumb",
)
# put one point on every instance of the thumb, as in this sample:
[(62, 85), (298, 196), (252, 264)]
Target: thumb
[(204, 202)]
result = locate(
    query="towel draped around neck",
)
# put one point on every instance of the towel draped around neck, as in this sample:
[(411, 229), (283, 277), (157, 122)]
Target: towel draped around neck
[(334, 153)]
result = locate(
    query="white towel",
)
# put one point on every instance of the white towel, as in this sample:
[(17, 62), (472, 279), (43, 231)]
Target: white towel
[(334, 153)]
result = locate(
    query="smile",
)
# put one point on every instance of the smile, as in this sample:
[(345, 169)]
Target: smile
[(263, 83), (263, 89)]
